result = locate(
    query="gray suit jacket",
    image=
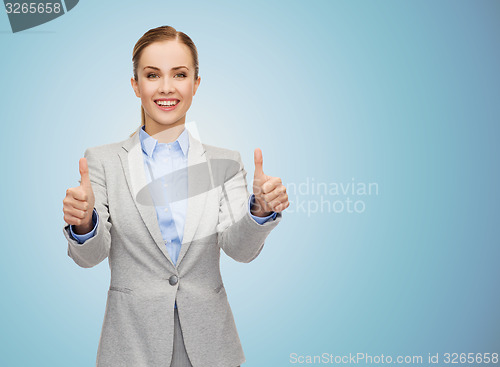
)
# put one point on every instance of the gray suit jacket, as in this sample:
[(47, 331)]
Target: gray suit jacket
[(139, 318)]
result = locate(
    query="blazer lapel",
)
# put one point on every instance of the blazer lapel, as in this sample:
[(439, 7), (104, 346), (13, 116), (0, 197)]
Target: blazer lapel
[(199, 183), (133, 167)]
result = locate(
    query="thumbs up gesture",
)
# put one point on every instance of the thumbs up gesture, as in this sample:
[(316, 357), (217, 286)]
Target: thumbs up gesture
[(79, 202), (270, 193)]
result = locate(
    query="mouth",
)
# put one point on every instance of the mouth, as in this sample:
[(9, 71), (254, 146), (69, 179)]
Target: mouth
[(167, 104)]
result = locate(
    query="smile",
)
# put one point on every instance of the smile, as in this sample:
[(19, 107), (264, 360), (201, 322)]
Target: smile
[(167, 105)]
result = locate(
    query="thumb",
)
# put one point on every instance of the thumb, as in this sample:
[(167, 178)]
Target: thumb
[(257, 158), (84, 173)]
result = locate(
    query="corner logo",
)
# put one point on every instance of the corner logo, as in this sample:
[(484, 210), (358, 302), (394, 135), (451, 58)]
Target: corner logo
[(25, 15)]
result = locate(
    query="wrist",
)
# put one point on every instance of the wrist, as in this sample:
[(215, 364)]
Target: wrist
[(258, 210), (84, 228), (261, 214)]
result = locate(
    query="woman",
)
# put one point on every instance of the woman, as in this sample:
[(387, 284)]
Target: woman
[(160, 205)]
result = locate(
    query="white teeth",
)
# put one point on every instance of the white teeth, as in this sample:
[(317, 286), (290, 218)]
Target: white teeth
[(166, 103)]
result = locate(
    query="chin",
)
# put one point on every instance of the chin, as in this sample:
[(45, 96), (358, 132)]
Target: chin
[(168, 123)]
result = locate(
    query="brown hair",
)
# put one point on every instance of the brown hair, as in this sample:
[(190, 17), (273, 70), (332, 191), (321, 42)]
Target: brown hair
[(159, 34)]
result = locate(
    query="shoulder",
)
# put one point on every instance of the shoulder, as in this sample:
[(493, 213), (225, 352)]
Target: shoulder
[(105, 152), (105, 149), (224, 163), (214, 152)]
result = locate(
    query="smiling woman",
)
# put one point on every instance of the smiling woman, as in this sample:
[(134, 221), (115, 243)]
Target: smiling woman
[(165, 79), (167, 305)]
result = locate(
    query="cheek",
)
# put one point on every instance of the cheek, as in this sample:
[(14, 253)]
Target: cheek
[(145, 100), (147, 91), (187, 91)]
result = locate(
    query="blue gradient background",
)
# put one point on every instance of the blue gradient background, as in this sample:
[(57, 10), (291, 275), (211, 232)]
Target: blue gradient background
[(404, 94)]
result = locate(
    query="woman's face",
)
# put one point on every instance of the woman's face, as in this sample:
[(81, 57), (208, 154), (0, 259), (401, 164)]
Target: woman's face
[(165, 76)]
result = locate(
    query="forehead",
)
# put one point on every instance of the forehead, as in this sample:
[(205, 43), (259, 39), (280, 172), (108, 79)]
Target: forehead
[(165, 55)]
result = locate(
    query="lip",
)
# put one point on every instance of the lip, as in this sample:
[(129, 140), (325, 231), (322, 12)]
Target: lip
[(165, 108)]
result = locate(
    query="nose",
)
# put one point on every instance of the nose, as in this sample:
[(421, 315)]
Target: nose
[(166, 86)]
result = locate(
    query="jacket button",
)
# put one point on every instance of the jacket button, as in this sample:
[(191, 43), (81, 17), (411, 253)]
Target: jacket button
[(173, 280)]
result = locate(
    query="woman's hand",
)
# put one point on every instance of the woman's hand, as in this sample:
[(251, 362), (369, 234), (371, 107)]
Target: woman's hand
[(270, 193), (79, 202)]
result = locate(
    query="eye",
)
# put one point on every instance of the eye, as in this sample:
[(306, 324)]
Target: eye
[(151, 74), (183, 75)]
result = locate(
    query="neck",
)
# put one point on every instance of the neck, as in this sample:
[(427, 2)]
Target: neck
[(164, 134)]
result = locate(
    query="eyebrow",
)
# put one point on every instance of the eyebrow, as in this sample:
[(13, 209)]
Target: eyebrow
[(175, 68)]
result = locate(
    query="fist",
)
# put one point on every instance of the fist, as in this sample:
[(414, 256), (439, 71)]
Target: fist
[(270, 193), (79, 202)]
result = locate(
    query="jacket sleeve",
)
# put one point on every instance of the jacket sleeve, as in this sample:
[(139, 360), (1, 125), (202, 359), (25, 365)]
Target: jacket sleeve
[(239, 235), (95, 249)]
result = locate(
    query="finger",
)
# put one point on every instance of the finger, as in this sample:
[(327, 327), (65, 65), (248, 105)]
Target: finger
[(84, 173), (271, 184), (257, 188), (278, 206), (77, 193), (277, 192), (77, 213), (72, 220), (282, 207), (258, 161), (279, 200), (77, 204)]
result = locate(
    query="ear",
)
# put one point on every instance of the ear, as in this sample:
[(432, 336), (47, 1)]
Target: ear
[(135, 86), (196, 85)]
